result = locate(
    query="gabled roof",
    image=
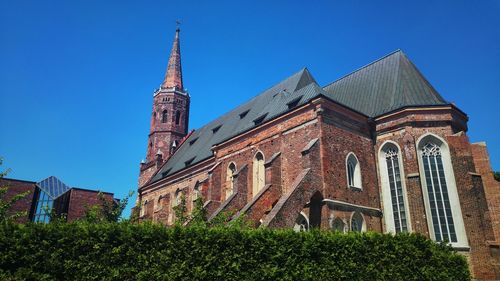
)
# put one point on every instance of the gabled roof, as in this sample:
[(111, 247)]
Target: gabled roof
[(53, 187), (387, 84), (266, 106)]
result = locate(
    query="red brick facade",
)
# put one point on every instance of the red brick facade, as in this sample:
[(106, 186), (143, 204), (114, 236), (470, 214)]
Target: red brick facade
[(306, 153), (298, 171), (80, 200), (15, 187)]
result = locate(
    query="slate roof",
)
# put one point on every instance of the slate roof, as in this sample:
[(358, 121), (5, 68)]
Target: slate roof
[(387, 84)]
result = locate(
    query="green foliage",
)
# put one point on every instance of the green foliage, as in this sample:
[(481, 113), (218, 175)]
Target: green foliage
[(496, 175), (199, 214), (6, 204), (108, 210), (146, 251), (180, 211)]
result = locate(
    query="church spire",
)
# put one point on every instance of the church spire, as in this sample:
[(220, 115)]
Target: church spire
[(173, 75)]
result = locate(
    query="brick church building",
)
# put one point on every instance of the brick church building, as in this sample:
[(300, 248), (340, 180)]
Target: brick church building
[(376, 150)]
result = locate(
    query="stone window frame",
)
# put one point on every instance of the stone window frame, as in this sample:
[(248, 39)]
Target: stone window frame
[(177, 197), (301, 216), (230, 179), (456, 209), (144, 206), (258, 175), (333, 222), (386, 189), (352, 160), (363, 221)]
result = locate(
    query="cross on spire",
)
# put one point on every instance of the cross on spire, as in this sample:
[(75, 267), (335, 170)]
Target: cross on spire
[(177, 25)]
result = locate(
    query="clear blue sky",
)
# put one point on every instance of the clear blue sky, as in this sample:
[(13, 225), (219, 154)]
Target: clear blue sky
[(76, 77)]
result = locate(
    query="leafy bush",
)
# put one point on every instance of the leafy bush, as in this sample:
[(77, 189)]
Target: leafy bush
[(125, 251)]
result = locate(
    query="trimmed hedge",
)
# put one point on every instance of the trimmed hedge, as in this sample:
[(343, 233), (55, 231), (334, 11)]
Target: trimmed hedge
[(124, 251)]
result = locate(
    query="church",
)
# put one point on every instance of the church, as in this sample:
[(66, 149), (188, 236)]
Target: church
[(376, 150)]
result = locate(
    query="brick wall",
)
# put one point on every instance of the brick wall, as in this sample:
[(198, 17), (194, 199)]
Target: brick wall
[(303, 177), (80, 200), (25, 204)]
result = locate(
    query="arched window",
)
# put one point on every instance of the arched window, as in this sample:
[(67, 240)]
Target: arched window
[(353, 171), (196, 191), (393, 189), (258, 173), (144, 209), (301, 223), (231, 169), (438, 180), (357, 222), (338, 225), (164, 116), (177, 117), (177, 198)]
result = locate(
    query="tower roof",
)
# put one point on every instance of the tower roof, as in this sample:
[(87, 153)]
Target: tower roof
[(173, 74)]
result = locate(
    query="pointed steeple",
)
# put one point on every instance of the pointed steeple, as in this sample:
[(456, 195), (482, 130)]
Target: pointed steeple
[(173, 75)]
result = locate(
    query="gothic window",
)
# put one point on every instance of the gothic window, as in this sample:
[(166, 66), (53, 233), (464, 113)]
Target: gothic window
[(357, 222), (144, 209), (258, 173), (177, 198), (353, 171), (338, 225), (301, 223), (164, 116), (196, 191), (177, 117), (231, 169), (393, 191), (440, 191), (437, 190)]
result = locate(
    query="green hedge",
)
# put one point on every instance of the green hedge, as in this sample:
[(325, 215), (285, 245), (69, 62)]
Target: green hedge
[(123, 251)]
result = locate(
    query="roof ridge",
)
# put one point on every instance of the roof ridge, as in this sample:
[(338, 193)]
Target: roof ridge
[(365, 66), (424, 78), (396, 83), (243, 104)]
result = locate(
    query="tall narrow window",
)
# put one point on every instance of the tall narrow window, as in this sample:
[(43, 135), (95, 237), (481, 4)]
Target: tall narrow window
[(144, 210), (231, 169), (258, 173), (437, 190), (177, 117), (350, 173), (357, 222), (164, 116), (353, 171), (395, 186)]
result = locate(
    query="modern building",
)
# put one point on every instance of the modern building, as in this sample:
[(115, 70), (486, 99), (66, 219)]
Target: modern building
[(50, 196), (376, 150)]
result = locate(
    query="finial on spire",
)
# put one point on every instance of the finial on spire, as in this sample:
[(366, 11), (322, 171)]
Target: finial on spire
[(177, 25)]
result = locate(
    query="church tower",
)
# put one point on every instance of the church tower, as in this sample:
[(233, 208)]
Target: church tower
[(170, 115)]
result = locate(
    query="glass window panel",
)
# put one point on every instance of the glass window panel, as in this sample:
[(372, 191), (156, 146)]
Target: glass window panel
[(442, 219)]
